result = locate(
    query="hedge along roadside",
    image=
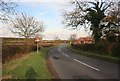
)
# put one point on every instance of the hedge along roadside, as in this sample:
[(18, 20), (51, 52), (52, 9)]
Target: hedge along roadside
[(16, 47), (95, 55)]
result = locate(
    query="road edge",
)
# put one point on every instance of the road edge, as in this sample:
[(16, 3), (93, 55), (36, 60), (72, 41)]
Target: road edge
[(51, 69)]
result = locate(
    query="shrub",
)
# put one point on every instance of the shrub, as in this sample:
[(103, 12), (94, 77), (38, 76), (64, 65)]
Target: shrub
[(84, 47), (110, 49), (116, 50), (100, 48), (9, 51)]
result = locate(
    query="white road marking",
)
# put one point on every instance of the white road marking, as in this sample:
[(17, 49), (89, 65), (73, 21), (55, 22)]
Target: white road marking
[(62, 52), (59, 49), (86, 65), (66, 55)]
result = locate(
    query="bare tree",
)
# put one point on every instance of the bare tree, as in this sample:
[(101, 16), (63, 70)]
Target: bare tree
[(7, 8), (87, 12), (26, 26)]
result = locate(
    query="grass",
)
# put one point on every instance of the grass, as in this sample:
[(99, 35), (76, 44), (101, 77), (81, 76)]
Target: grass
[(95, 55), (30, 66)]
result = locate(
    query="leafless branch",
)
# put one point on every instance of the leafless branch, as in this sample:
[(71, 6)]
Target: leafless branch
[(7, 8), (26, 26)]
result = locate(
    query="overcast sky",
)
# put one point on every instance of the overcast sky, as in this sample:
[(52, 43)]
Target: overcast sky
[(50, 12)]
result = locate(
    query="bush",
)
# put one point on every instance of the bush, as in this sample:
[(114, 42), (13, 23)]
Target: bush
[(116, 50), (110, 49), (101, 48), (97, 48), (9, 51), (12, 47), (87, 47)]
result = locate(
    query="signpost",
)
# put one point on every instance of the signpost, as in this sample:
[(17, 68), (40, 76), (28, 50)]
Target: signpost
[(37, 39)]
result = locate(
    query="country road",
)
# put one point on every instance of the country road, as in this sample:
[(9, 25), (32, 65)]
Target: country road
[(70, 65)]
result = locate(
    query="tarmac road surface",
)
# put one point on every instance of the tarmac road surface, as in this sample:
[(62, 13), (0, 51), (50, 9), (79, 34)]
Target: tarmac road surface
[(70, 65)]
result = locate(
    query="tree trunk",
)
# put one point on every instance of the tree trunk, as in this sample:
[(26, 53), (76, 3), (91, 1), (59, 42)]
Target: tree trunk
[(96, 34)]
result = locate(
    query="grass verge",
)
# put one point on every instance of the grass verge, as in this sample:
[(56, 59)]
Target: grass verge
[(30, 66), (95, 55)]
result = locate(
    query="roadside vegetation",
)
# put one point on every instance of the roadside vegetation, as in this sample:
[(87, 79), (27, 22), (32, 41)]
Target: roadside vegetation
[(101, 19), (13, 48), (97, 52), (30, 66)]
